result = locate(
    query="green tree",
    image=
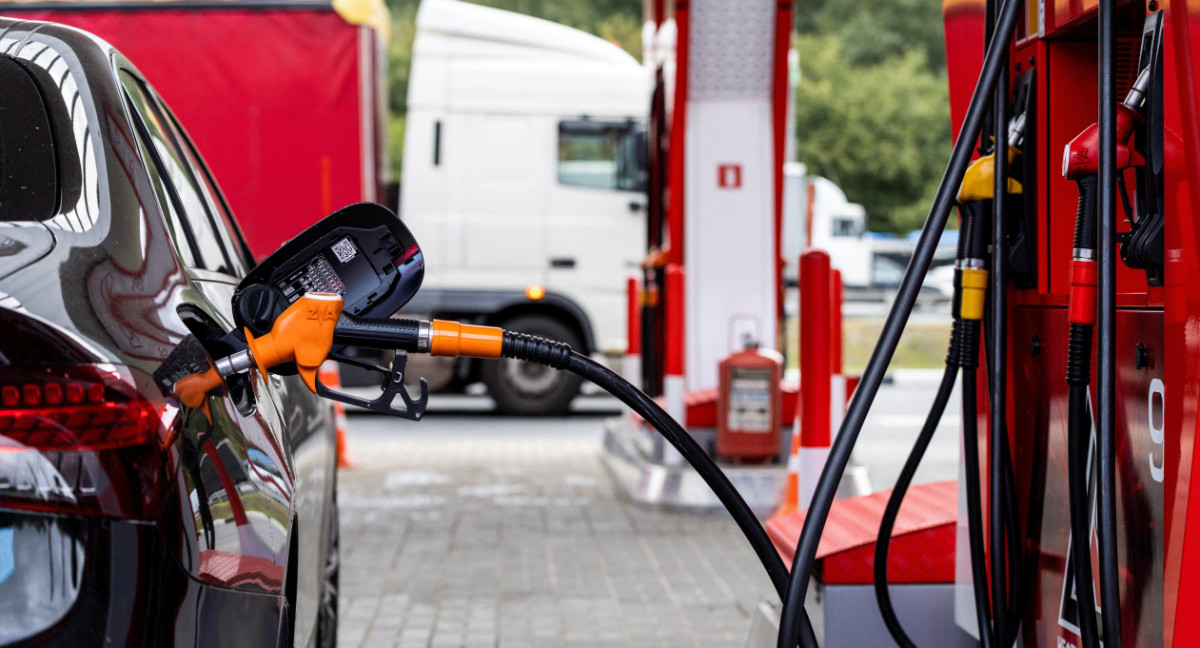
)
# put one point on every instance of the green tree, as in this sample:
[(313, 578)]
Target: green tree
[(881, 131), (874, 30), (403, 30)]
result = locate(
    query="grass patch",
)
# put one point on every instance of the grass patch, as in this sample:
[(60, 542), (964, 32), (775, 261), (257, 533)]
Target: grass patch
[(923, 345)]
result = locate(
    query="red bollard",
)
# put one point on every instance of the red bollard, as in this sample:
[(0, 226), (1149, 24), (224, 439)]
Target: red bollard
[(837, 386), (673, 385), (835, 331), (811, 432), (816, 368), (632, 365)]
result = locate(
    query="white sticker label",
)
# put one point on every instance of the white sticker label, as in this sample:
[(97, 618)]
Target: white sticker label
[(345, 250), (750, 401)]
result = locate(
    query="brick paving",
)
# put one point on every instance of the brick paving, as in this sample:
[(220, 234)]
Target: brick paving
[(473, 531)]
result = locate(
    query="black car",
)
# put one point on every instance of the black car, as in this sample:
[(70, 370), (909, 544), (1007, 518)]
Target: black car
[(127, 516)]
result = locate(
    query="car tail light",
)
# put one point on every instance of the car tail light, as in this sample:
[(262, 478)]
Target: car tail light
[(81, 439)]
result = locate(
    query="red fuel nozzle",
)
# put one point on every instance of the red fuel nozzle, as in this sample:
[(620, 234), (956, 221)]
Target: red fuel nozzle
[(1081, 157)]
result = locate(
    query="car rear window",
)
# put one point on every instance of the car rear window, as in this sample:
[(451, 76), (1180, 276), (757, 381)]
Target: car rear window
[(48, 157), (28, 174)]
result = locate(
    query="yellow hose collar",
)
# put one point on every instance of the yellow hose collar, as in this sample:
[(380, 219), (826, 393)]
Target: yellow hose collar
[(974, 292)]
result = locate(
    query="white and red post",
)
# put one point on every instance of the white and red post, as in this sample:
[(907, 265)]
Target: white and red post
[(816, 370), (631, 367), (674, 387)]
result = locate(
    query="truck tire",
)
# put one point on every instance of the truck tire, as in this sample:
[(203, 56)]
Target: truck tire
[(527, 388)]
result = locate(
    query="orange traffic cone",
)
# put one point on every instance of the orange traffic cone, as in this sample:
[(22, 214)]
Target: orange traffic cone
[(789, 500), (332, 378)]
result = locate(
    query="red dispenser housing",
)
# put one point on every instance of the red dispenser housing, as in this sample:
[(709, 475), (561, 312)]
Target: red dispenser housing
[(749, 405)]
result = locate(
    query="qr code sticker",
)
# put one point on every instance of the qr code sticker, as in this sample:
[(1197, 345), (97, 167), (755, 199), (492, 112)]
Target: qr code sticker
[(345, 250)]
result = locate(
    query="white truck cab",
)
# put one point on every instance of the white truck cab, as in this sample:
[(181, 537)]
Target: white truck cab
[(524, 167), (837, 226)]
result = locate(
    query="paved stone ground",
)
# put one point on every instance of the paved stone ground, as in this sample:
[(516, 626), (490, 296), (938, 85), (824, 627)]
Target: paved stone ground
[(466, 530)]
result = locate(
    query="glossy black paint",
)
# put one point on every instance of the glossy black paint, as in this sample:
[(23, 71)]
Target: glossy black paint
[(136, 271), (109, 582)]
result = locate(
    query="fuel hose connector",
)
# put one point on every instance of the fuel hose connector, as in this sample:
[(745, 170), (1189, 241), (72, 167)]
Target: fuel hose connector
[(1081, 309)]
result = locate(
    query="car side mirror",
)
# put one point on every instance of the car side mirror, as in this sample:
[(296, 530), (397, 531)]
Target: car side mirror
[(362, 252)]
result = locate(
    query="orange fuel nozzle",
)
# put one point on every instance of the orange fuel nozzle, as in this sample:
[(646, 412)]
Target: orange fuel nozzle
[(302, 334), (193, 390)]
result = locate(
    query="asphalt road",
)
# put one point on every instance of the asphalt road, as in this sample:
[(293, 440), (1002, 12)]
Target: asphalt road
[(468, 529)]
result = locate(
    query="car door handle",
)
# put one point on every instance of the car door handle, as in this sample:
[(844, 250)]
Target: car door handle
[(636, 206), (562, 262)]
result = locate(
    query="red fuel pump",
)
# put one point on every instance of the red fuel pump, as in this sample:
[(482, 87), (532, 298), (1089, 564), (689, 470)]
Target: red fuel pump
[(749, 405)]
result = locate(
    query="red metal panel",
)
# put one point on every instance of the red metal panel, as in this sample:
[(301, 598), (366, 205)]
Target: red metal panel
[(922, 547), (964, 26), (1181, 57), (675, 179), (271, 98), (779, 103), (676, 158), (1038, 425)]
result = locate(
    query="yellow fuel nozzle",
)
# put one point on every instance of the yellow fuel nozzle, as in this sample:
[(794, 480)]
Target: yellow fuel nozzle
[(979, 179)]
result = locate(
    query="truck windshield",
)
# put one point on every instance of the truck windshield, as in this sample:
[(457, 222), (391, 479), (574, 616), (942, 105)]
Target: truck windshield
[(846, 227), (602, 155)]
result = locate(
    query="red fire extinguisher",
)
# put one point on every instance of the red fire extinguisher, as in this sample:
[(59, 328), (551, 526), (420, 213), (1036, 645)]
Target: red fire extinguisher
[(749, 405)]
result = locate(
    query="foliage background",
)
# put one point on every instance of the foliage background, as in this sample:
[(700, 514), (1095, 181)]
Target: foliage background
[(872, 107)]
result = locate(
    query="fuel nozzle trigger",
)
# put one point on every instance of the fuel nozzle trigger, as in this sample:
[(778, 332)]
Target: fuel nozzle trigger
[(392, 386)]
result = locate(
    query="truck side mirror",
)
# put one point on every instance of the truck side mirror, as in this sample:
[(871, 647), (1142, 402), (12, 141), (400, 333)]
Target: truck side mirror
[(362, 252)]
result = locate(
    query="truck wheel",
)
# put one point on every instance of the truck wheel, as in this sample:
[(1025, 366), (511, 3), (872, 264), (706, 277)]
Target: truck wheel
[(527, 388)]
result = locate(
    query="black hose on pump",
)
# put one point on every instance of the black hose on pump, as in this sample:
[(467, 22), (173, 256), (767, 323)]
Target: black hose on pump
[(996, 367), (560, 356), (839, 457), (888, 521), (979, 574), (970, 282), (1106, 522), (1079, 420), (1079, 430)]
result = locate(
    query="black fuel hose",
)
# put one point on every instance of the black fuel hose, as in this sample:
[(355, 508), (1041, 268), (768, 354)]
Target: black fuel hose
[(996, 366), (1079, 423), (872, 378), (1079, 432), (1016, 555), (970, 427), (1012, 541), (888, 521), (560, 356), (1106, 522)]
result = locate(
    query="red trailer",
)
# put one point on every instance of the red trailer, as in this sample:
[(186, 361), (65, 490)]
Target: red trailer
[(286, 98)]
